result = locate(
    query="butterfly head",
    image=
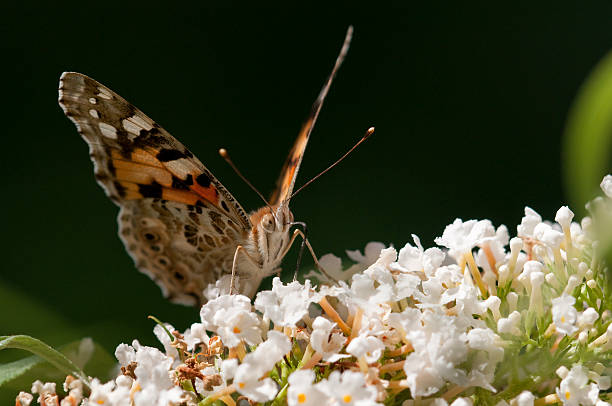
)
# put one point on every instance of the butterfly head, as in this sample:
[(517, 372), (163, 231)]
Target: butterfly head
[(273, 220), (270, 233)]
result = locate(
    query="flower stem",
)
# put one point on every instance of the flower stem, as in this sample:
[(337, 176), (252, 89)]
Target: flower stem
[(333, 314), (475, 273)]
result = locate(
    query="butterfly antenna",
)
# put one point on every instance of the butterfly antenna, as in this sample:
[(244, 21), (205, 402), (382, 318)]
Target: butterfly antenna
[(369, 132), (225, 155)]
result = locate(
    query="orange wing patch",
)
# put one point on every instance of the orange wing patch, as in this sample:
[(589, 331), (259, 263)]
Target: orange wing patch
[(286, 181), (142, 175)]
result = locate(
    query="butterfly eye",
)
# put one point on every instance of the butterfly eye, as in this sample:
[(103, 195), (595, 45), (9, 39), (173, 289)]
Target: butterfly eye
[(267, 222)]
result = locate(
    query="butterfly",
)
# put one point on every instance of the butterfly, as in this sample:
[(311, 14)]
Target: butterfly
[(179, 224)]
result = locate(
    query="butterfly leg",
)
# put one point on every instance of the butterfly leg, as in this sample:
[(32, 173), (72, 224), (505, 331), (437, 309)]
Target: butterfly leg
[(239, 249), (306, 242), (314, 257), (304, 239)]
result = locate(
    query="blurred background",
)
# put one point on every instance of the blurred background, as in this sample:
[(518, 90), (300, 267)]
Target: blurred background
[(469, 104)]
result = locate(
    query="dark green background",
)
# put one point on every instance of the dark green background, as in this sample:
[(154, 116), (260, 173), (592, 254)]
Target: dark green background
[(469, 103)]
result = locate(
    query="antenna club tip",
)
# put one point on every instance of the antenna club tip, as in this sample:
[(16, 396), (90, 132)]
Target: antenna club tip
[(222, 152), (369, 132)]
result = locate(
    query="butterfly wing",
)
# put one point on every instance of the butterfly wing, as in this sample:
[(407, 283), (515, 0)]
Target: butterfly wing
[(177, 221), (286, 180)]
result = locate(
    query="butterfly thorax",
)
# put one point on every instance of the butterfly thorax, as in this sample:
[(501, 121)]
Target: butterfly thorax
[(269, 236)]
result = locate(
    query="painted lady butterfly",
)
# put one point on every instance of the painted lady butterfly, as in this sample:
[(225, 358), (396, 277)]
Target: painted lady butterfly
[(178, 223)]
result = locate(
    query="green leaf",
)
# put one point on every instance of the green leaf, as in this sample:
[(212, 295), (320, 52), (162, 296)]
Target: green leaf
[(15, 369), (41, 349), (588, 136)]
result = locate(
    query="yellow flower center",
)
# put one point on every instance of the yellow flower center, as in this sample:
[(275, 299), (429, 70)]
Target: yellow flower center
[(301, 398), (347, 398), (568, 395), (100, 402), (241, 385), (236, 330), (562, 319)]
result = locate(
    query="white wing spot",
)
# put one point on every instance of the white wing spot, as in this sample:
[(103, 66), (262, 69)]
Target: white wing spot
[(94, 113), (104, 93), (139, 122), (93, 100), (131, 127), (108, 130)]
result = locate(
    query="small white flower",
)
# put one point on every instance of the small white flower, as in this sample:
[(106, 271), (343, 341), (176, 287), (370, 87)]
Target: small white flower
[(416, 259), (210, 311), (226, 369), (83, 353), (528, 223), (575, 390), (250, 385), (194, 335), (23, 399), (369, 347), (333, 265), (408, 320), (371, 253), (529, 268), (165, 339), (369, 293), (495, 245), (462, 402), (460, 237), (257, 363), (526, 398), (485, 339), (548, 235), (106, 394), (268, 353), (232, 319), (239, 325), (376, 284), (606, 185), (40, 388), (588, 317), (510, 325), (348, 388), (44, 390), (407, 285), (285, 305), (564, 314), (325, 342), (467, 300), (125, 354), (302, 391), (74, 389), (152, 372), (562, 371), (221, 287), (564, 217), (439, 346)]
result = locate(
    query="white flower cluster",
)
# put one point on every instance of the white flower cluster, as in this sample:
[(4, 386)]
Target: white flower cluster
[(484, 319)]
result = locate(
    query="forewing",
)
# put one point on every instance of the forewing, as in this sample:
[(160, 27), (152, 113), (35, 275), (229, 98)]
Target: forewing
[(286, 180), (145, 170)]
